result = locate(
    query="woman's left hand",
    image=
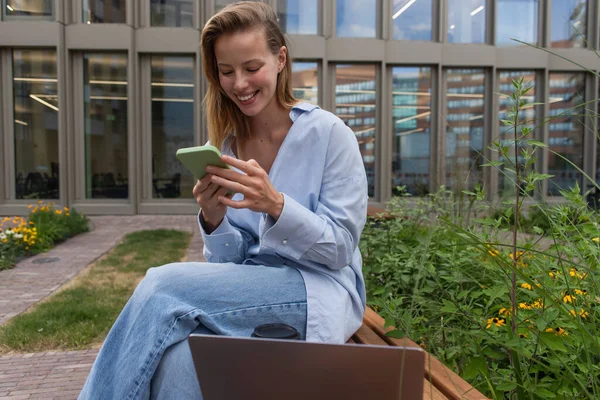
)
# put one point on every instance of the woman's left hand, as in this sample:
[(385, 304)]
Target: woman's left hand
[(254, 184)]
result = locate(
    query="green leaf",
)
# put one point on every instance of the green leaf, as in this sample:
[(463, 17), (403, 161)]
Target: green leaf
[(448, 307), (536, 143), (544, 393), (475, 367), (552, 341), (379, 290), (507, 386), (492, 164)]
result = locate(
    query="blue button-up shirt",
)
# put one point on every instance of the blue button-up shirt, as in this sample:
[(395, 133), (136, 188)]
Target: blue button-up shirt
[(320, 172)]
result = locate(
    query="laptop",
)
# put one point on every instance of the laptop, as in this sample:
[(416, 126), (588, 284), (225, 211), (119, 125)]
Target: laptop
[(232, 368)]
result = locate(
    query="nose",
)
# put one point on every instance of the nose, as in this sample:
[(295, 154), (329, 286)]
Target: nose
[(240, 82)]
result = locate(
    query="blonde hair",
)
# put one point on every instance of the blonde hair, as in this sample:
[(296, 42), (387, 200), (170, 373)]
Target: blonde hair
[(222, 114)]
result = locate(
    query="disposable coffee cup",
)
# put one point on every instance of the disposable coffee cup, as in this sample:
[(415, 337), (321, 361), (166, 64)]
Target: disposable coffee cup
[(276, 331)]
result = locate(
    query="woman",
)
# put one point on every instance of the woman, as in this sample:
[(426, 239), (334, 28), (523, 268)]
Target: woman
[(283, 249)]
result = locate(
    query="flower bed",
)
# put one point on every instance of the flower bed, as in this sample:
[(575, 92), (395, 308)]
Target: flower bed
[(43, 228)]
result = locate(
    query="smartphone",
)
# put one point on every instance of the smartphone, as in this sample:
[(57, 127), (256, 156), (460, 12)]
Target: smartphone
[(195, 159)]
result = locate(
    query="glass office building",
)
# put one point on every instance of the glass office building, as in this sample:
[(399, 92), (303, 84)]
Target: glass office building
[(96, 96)]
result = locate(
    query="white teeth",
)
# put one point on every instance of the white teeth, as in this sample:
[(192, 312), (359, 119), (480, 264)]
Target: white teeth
[(246, 97)]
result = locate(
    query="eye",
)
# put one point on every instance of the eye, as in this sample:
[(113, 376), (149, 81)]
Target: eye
[(226, 72), (253, 69)]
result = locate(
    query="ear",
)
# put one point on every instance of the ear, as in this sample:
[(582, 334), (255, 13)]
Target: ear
[(282, 58)]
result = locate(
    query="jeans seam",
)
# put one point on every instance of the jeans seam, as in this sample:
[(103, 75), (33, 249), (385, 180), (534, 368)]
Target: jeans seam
[(257, 307), (155, 353)]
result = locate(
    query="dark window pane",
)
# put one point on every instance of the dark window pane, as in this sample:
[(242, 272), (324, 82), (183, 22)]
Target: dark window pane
[(411, 127), (517, 19), (172, 124), (104, 11), (566, 130), (464, 128), (466, 21), (106, 149), (569, 23), (356, 18), (179, 13), (35, 124), (412, 19), (355, 101), (506, 178), (299, 17), (305, 81)]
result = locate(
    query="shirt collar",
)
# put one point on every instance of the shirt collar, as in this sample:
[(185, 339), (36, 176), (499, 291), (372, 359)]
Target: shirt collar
[(300, 108)]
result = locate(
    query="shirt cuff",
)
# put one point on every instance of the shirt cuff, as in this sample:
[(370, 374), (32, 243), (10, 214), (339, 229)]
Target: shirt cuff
[(296, 230), (223, 240)]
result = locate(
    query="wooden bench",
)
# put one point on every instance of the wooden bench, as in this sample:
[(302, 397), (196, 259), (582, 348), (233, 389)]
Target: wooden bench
[(439, 381)]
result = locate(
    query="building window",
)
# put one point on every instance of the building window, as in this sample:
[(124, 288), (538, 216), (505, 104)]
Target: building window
[(355, 88), (178, 13), (411, 128), (466, 21), (299, 17), (357, 18), (567, 91), (35, 124), (411, 19), (517, 19), (464, 127), (569, 23), (28, 9), (104, 11), (527, 118), (305, 81), (105, 122), (172, 89)]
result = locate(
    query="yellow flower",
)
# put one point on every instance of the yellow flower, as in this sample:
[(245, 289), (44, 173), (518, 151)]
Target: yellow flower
[(522, 335), (496, 321), (504, 311), (58, 212), (557, 331), (66, 208), (524, 306), (30, 206), (580, 292), (568, 298), (526, 286), (596, 239), (494, 252), (40, 202), (584, 314), (67, 214)]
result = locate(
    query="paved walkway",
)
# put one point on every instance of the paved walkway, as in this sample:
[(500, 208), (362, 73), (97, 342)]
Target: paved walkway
[(60, 375)]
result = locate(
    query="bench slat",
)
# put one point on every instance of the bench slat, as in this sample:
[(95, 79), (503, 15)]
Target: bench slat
[(448, 382)]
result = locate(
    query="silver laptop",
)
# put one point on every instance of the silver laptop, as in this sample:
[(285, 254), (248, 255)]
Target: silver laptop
[(231, 368)]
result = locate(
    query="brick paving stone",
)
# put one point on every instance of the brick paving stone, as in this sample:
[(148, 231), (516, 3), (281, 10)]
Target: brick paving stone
[(56, 374)]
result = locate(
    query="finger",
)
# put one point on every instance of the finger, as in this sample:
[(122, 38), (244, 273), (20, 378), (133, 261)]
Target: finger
[(230, 185), (233, 203), (229, 174), (248, 167), (201, 185), (208, 194)]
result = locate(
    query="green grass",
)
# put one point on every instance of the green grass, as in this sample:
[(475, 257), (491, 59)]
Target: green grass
[(80, 315)]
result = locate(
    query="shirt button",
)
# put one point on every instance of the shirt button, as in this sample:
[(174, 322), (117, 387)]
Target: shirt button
[(227, 244), (284, 242)]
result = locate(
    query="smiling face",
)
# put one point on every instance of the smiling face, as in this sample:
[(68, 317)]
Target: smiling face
[(248, 70)]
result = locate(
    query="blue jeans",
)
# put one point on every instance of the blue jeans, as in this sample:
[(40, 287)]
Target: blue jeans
[(146, 354)]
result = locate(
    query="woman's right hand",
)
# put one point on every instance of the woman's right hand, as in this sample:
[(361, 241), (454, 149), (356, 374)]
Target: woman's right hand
[(207, 195)]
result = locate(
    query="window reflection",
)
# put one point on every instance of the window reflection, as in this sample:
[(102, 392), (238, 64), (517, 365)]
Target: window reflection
[(355, 100), (412, 19), (305, 81), (104, 11), (179, 13), (464, 127), (517, 19), (356, 18), (298, 17), (411, 126), (566, 130), (569, 23), (506, 178), (29, 8), (172, 124), (35, 124), (106, 149), (466, 21)]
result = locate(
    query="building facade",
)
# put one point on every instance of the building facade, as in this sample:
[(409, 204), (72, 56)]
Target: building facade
[(96, 96)]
